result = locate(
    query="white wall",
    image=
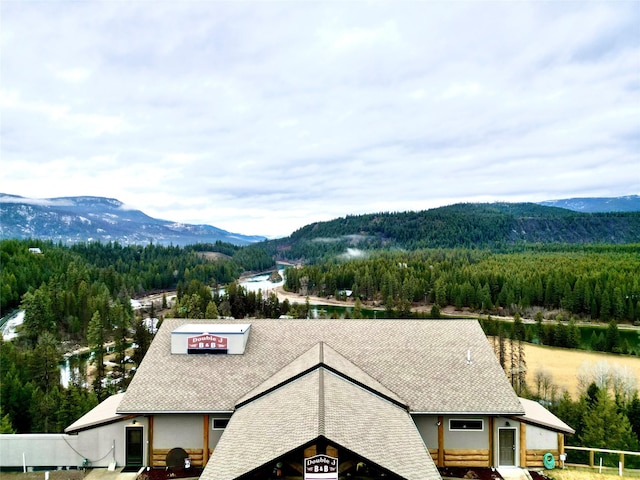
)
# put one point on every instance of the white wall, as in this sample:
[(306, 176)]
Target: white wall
[(180, 430), (541, 439), (40, 450), (62, 450)]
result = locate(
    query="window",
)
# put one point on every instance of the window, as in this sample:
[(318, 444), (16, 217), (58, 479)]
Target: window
[(220, 423), (466, 424)]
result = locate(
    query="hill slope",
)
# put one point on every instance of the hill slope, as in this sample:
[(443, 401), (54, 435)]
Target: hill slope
[(461, 225), (81, 219)]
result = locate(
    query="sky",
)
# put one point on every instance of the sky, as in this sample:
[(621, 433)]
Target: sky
[(261, 117)]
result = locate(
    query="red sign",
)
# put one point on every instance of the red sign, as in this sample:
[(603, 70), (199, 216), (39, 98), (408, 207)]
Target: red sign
[(207, 341)]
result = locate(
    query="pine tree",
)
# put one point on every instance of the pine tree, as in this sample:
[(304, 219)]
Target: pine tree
[(612, 339), (5, 423), (357, 309), (212, 310), (633, 414), (605, 426), (522, 369), (96, 338)]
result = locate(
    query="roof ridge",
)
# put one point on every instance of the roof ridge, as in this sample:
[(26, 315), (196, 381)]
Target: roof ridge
[(321, 403), (324, 360)]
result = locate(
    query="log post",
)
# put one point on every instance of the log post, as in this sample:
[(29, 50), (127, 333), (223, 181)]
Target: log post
[(523, 444), (205, 441), (441, 441), (150, 441), (491, 447)]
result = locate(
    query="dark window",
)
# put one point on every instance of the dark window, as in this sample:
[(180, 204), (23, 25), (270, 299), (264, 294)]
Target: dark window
[(466, 424), (210, 351), (220, 423)]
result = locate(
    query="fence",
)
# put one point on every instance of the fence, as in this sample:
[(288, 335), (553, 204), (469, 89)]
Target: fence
[(607, 460)]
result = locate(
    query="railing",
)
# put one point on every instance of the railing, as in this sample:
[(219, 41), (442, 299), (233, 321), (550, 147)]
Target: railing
[(592, 451)]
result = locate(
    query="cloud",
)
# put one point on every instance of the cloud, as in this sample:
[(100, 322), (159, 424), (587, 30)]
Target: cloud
[(45, 202), (262, 117)]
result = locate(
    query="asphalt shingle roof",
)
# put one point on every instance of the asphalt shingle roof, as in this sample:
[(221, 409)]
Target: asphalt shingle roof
[(322, 354), (320, 403), (422, 362)]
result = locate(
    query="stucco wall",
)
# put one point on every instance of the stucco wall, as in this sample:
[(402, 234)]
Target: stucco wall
[(98, 445), (469, 439), (215, 434), (184, 431), (427, 425), (541, 439)]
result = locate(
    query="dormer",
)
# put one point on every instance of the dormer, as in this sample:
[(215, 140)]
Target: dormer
[(212, 339)]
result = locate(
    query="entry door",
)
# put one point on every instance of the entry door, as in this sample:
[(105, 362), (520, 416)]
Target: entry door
[(507, 445), (134, 447)]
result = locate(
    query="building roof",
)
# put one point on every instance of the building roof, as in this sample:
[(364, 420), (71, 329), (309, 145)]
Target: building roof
[(536, 414), (103, 413), (320, 404), (322, 355), (422, 363)]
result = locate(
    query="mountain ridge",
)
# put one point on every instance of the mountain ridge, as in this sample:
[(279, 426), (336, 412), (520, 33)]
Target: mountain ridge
[(626, 203), (89, 218)]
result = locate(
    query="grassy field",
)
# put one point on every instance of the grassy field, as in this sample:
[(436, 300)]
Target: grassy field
[(564, 365)]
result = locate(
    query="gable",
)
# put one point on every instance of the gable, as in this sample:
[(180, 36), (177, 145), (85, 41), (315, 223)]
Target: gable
[(320, 404)]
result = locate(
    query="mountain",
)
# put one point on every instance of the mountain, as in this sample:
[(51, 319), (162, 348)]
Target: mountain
[(630, 203), (469, 225), (81, 219)]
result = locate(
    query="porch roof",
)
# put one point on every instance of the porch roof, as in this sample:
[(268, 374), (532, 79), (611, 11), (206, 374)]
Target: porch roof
[(536, 414), (103, 413)]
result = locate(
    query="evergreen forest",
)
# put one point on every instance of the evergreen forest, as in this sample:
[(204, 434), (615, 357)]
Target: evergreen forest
[(79, 296)]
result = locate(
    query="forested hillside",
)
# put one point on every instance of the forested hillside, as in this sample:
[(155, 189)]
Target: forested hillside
[(595, 282), (502, 259), (79, 296), (496, 226)]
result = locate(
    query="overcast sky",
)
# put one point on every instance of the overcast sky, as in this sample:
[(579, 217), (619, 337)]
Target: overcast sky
[(263, 117)]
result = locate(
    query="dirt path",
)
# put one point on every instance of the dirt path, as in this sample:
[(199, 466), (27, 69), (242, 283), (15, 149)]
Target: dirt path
[(313, 300)]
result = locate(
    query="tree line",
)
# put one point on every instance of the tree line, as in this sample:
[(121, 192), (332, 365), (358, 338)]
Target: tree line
[(595, 283)]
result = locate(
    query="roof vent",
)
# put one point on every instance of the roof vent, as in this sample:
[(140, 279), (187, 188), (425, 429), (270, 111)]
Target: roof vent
[(207, 338), (469, 361)]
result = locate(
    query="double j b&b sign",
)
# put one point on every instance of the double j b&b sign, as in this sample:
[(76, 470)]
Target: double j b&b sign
[(206, 343), (321, 467)]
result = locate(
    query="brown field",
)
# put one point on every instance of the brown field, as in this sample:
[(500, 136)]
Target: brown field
[(586, 474), (564, 365)]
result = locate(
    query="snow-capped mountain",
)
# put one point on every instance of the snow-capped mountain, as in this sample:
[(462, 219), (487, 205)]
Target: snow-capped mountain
[(629, 203), (82, 219)]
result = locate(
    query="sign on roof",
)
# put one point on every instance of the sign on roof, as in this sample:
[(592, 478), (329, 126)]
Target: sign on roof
[(210, 338), (321, 467), (206, 341)]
